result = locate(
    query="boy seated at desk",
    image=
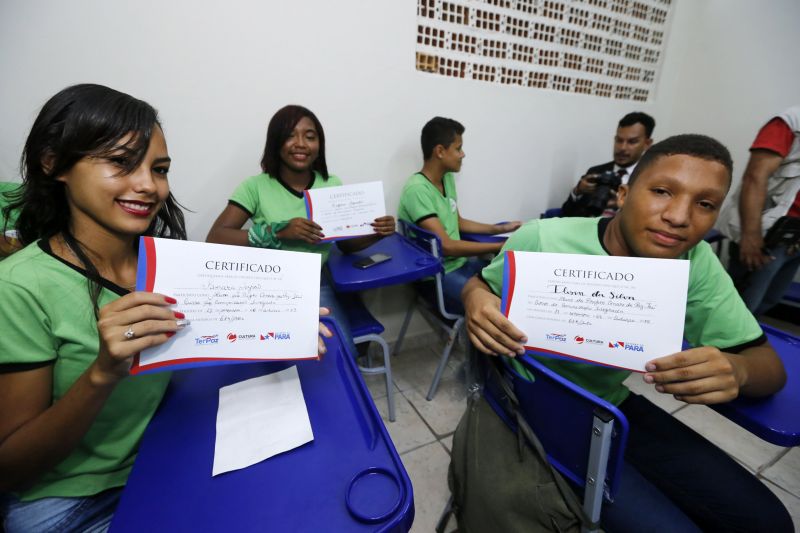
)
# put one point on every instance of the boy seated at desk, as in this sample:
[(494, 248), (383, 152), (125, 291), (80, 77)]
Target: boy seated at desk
[(429, 200), (672, 479)]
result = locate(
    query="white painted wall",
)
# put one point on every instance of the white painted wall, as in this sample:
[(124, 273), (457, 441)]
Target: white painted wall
[(218, 71), (731, 66)]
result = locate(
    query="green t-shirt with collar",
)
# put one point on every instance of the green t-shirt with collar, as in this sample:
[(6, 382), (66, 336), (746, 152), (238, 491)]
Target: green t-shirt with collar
[(715, 314), (421, 199), (6, 186), (46, 317), (269, 200)]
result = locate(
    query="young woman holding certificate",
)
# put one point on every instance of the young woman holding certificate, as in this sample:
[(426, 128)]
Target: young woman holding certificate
[(293, 162), (95, 171)]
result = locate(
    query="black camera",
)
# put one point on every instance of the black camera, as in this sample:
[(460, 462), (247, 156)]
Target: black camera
[(607, 184)]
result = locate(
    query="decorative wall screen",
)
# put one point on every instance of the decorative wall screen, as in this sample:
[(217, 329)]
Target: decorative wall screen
[(608, 48)]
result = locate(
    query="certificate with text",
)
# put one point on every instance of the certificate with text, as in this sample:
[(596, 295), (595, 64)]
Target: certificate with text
[(243, 304), (347, 211), (619, 312)]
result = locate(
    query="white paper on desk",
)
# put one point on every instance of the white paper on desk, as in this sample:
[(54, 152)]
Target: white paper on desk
[(259, 418), (616, 311), (347, 211), (243, 303)]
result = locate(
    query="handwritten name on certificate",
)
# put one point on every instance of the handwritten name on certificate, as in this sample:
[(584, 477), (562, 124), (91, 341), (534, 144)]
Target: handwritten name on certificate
[(615, 311), (347, 211), (243, 304)]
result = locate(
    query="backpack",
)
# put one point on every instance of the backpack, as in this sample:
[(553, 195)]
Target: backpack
[(501, 485)]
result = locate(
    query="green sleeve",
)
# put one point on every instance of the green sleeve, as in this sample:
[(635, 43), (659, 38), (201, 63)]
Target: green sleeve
[(334, 181), (715, 313), (525, 239), (246, 194), (418, 203), (27, 336)]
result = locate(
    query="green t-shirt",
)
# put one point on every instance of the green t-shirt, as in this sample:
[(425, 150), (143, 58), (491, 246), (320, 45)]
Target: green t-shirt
[(6, 186), (715, 314), (269, 200), (47, 316), (421, 199)]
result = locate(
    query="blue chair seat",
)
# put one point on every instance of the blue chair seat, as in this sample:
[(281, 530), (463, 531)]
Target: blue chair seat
[(365, 328)]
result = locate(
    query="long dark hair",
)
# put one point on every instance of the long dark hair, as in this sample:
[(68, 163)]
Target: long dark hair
[(280, 128), (80, 121)]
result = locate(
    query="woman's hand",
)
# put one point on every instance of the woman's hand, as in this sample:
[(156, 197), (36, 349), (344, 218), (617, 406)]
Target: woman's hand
[(324, 332), (384, 226), (127, 326), (302, 229)]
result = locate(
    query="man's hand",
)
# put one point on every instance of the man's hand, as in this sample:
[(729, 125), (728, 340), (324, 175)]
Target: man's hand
[(699, 375), (751, 251), (489, 330), (586, 185), (301, 229)]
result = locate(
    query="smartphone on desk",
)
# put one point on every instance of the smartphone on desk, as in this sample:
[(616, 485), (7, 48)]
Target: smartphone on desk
[(374, 259)]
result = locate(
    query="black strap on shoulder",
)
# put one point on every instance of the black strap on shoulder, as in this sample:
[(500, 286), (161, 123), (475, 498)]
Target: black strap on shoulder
[(525, 433)]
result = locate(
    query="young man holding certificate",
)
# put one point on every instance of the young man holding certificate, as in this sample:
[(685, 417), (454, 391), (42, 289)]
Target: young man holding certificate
[(672, 477), (429, 200)]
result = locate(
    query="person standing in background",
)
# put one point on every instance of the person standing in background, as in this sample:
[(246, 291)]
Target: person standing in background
[(768, 195)]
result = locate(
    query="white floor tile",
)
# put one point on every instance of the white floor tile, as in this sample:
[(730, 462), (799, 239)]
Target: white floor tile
[(447, 442), (665, 401), (408, 431), (791, 502), (427, 468), (786, 472), (737, 442), (415, 369), (444, 411)]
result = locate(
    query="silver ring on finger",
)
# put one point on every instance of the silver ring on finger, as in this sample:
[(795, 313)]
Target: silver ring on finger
[(129, 333)]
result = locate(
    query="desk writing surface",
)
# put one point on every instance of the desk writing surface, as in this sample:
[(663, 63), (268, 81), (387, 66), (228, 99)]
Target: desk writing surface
[(305, 489), (408, 263), (776, 418)]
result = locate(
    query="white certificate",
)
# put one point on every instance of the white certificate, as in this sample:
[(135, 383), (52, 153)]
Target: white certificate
[(616, 311), (243, 304), (347, 211)]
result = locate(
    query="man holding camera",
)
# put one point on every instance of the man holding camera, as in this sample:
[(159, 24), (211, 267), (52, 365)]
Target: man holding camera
[(596, 192), (763, 219)]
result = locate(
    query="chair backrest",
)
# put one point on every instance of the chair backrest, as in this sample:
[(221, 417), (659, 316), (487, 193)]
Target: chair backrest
[(563, 417), (427, 240), (431, 242)]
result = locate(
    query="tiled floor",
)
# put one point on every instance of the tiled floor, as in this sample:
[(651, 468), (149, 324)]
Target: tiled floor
[(423, 431)]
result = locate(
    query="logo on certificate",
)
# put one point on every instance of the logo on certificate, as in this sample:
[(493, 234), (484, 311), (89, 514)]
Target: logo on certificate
[(207, 339), (624, 345), (557, 337), (579, 339), (276, 336)]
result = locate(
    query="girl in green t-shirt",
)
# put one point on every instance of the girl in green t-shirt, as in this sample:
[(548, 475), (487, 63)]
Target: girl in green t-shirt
[(95, 171), (293, 161)]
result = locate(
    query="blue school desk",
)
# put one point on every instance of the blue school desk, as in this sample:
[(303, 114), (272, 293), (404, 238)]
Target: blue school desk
[(482, 237), (409, 263), (349, 478), (776, 418)]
